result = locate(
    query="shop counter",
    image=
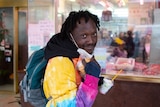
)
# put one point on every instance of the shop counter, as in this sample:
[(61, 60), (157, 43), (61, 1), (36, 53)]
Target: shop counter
[(130, 89), (130, 94)]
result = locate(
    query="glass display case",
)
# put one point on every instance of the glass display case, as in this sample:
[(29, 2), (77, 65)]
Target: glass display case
[(132, 35), (128, 69)]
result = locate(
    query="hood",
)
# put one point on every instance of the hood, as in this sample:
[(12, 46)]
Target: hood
[(57, 46)]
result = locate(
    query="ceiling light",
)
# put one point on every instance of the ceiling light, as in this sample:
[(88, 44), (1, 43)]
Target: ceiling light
[(72, 0), (102, 3), (141, 2)]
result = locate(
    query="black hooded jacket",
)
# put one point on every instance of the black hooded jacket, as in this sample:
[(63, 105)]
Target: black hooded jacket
[(57, 46)]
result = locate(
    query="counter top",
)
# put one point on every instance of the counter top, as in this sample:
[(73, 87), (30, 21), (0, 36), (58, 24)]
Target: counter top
[(132, 76)]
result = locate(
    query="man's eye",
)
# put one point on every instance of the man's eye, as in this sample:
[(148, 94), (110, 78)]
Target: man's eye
[(95, 34), (84, 36)]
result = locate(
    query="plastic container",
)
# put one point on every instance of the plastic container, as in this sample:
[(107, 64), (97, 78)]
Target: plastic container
[(107, 84), (126, 64)]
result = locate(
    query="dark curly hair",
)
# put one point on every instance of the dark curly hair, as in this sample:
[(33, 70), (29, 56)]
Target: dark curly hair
[(73, 18)]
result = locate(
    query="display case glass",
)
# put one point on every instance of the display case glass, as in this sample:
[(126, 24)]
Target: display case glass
[(129, 41)]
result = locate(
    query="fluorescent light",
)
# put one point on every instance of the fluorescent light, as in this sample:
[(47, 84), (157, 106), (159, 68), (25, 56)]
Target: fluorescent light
[(72, 0), (102, 3), (141, 2)]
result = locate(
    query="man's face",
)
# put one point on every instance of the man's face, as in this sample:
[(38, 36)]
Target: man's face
[(85, 35)]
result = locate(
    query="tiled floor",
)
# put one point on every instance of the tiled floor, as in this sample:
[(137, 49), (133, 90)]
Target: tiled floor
[(8, 99)]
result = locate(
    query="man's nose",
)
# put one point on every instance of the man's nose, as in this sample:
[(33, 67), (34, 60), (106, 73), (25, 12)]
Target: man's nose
[(90, 39)]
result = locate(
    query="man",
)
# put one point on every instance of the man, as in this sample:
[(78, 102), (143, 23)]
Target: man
[(130, 44), (63, 84), (119, 51)]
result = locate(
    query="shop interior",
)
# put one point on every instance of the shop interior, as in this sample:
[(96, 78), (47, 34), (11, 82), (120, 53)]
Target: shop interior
[(117, 17), (136, 76)]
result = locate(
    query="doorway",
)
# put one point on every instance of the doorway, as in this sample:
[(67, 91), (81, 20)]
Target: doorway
[(6, 49), (13, 46)]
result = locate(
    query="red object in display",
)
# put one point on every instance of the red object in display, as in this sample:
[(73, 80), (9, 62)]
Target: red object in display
[(153, 69), (139, 66), (110, 66)]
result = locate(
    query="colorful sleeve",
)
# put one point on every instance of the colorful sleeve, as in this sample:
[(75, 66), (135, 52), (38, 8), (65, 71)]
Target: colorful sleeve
[(60, 85), (87, 91)]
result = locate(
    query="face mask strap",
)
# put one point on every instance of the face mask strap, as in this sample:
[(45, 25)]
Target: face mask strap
[(73, 40)]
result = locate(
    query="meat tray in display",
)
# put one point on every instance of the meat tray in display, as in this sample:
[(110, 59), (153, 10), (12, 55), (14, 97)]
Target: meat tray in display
[(126, 64)]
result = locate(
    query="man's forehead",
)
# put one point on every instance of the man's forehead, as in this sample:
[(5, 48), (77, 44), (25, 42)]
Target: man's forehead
[(83, 20)]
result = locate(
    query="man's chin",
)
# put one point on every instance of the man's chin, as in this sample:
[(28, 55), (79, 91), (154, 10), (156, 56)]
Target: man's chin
[(90, 51)]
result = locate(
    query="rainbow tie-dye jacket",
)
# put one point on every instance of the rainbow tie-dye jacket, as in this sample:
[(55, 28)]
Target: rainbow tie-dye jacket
[(60, 85)]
